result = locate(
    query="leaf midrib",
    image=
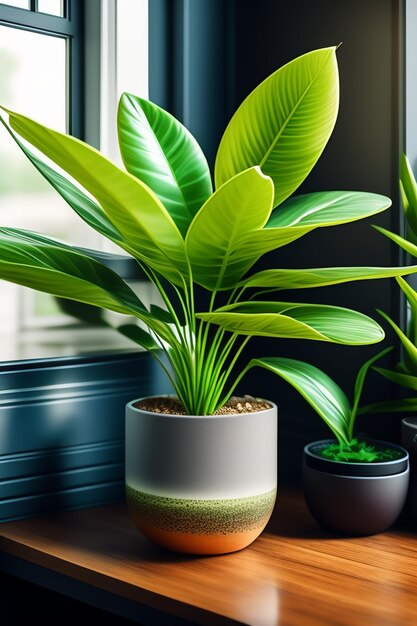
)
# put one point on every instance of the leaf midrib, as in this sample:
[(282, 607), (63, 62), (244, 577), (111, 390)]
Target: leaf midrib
[(156, 140), (292, 112)]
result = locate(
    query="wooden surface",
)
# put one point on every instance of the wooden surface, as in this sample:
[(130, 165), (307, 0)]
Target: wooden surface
[(293, 575)]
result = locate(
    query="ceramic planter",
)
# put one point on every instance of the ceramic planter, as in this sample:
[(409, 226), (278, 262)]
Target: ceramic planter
[(354, 498), (202, 485)]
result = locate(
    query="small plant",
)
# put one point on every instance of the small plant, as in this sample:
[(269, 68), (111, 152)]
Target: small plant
[(331, 403), (188, 238), (405, 372)]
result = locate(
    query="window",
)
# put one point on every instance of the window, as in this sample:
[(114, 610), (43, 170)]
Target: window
[(49, 72)]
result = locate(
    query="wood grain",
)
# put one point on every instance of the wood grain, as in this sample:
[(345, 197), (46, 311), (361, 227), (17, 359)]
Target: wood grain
[(293, 575)]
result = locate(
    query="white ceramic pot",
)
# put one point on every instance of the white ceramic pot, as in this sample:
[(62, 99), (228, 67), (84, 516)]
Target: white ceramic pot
[(201, 484)]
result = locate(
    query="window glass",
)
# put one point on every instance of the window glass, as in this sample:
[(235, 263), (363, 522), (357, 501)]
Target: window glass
[(33, 70), (20, 4), (53, 7)]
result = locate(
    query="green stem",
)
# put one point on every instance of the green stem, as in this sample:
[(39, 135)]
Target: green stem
[(240, 376)]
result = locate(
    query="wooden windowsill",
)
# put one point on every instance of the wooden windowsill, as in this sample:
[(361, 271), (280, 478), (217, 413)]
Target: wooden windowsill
[(293, 575)]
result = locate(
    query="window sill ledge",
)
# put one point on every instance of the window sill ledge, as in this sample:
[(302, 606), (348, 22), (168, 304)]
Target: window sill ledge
[(294, 574)]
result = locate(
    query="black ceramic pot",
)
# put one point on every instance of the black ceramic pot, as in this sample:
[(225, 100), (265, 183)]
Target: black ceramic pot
[(354, 498)]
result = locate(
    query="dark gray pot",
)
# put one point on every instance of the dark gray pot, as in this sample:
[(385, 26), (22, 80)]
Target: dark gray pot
[(354, 498)]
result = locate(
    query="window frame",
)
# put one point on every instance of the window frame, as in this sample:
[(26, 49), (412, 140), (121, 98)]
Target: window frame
[(70, 28)]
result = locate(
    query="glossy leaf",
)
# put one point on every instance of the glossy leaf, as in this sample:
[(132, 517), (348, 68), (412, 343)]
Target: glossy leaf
[(86, 208), (320, 276), (161, 152), (131, 206), (297, 321), (320, 391), (284, 124), (327, 208), (216, 239), (302, 214), (35, 261)]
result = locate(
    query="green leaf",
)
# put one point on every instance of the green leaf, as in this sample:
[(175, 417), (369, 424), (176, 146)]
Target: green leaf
[(161, 314), (405, 380), (40, 263), (130, 205), (403, 243), (298, 321), (302, 214), (408, 187), (327, 208), (360, 380), (162, 153), (284, 124), (320, 391), (409, 292), (409, 347), (138, 335), (215, 242), (406, 405), (320, 276), (86, 208)]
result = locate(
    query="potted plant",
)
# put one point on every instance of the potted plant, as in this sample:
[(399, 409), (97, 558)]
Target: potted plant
[(405, 372), (201, 467), (356, 486)]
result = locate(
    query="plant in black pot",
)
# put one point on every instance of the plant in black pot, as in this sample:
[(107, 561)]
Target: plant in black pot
[(405, 372), (352, 485)]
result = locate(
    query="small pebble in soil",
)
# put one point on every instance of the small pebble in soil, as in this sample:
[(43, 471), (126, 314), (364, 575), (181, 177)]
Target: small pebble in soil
[(172, 406)]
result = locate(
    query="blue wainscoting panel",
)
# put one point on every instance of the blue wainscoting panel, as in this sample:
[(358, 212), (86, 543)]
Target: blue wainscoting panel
[(62, 430)]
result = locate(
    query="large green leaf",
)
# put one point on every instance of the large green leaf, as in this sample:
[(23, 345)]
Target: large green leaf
[(40, 263), (327, 208), (162, 153), (35, 261), (298, 321), (215, 240), (320, 276), (86, 208), (320, 391), (302, 214), (284, 124), (131, 206)]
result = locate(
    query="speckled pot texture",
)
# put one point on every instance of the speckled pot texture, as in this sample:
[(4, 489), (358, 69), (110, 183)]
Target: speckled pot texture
[(354, 498), (201, 484)]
